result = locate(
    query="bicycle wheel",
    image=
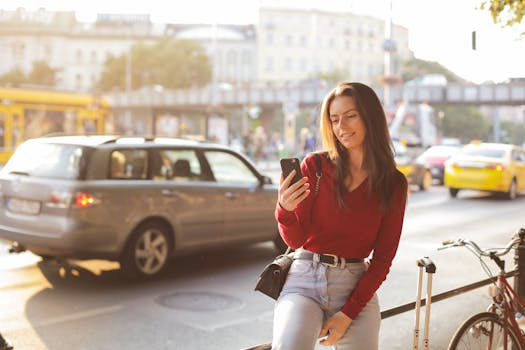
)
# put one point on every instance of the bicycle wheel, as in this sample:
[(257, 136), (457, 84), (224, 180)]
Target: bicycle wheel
[(484, 331)]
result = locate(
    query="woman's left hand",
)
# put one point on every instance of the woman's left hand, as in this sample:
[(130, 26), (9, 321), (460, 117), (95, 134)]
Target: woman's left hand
[(335, 327)]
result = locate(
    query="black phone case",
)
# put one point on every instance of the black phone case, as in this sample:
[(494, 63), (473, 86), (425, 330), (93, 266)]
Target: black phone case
[(289, 164)]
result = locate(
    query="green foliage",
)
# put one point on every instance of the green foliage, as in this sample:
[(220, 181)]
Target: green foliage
[(512, 132), (13, 77), (415, 68), (465, 123), (171, 64), (335, 76), (42, 74), (507, 12)]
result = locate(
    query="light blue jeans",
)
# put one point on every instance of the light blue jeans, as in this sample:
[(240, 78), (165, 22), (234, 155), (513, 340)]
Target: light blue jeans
[(314, 292)]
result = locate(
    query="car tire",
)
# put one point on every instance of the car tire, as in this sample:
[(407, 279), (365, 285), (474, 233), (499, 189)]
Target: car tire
[(513, 190), (148, 250), (453, 192), (426, 181), (279, 244)]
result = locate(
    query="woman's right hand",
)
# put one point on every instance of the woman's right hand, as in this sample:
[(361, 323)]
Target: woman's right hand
[(291, 195)]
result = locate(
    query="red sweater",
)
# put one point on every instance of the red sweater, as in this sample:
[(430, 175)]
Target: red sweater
[(320, 226)]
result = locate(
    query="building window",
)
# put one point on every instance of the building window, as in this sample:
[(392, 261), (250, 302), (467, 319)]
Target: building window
[(269, 39), (270, 23), (246, 58), (289, 40), (79, 56), (304, 40), (269, 64), (78, 81), (304, 64), (18, 49), (93, 56), (288, 64), (232, 58)]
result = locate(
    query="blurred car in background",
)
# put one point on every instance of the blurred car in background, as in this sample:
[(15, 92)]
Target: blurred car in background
[(491, 167), (417, 172), (435, 156), (135, 200)]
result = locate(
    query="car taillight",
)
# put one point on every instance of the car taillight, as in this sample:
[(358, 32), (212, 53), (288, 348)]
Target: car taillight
[(59, 199), (84, 200), (495, 166)]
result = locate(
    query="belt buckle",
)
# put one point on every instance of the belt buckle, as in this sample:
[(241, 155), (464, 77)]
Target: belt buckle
[(336, 260)]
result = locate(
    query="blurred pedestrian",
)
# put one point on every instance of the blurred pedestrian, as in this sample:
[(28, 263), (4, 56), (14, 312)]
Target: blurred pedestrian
[(260, 140), (358, 211)]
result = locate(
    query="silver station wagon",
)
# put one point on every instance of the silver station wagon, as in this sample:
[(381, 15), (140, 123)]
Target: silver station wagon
[(135, 200)]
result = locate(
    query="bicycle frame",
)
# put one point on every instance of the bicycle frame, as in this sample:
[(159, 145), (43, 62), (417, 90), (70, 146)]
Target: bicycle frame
[(507, 303)]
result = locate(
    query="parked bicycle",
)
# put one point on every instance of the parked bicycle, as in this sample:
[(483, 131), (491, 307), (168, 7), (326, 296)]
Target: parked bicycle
[(497, 328)]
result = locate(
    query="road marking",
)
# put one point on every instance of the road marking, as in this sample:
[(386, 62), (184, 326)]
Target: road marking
[(220, 325), (62, 319)]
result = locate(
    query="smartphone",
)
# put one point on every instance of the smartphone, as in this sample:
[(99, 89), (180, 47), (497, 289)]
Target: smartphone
[(320, 339), (289, 164)]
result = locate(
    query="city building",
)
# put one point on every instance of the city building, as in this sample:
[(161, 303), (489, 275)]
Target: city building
[(77, 50), (296, 44), (286, 45), (232, 49)]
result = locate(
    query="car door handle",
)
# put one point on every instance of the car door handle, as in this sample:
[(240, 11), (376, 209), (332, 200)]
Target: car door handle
[(231, 195)]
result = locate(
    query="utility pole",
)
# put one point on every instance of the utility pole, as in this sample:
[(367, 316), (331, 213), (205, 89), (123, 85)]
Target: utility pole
[(389, 46), (128, 83)]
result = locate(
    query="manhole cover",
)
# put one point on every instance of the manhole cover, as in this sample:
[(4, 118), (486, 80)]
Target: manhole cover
[(199, 301)]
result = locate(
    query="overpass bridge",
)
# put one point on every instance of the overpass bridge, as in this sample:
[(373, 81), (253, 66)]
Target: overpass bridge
[(310, 96), (205, 113)]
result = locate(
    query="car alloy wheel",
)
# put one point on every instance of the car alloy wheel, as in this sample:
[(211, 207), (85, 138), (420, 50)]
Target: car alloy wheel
[(148, 251), (426, 182)]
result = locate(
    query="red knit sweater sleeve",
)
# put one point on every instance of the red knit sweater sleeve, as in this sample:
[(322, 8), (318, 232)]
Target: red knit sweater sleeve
[(384, 250), (294, 231)]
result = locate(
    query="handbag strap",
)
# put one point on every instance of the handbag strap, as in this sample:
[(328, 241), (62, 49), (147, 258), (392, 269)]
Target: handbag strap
[(318, 171)]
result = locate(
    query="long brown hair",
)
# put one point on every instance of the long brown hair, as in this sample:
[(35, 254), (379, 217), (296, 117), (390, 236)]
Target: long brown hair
[(378, 154)]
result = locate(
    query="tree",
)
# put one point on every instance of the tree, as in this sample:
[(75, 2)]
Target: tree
[(513, 132), (465, 123), (415, 68), (507, 12), (334, 76), (42, 74), (169, 63), (13, 77)]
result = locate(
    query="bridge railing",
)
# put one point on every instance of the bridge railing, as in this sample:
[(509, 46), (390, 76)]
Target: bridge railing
[(311, 95)]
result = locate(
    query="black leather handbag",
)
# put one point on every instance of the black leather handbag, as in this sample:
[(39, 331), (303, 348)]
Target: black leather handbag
[(272, 278)]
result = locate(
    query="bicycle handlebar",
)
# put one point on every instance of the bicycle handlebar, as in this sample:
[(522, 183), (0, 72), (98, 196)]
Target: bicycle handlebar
[(460, 242)]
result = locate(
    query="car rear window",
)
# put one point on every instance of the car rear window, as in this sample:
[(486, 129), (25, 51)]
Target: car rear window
[(484, 152), (47, 160)]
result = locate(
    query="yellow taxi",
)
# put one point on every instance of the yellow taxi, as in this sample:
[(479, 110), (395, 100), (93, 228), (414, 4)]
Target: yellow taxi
[(494, 167), (416, 171)]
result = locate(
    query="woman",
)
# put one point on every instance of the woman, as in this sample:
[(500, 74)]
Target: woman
[(358, 210)]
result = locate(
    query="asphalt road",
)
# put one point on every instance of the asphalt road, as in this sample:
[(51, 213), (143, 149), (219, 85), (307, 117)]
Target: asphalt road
[(208, 302)]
